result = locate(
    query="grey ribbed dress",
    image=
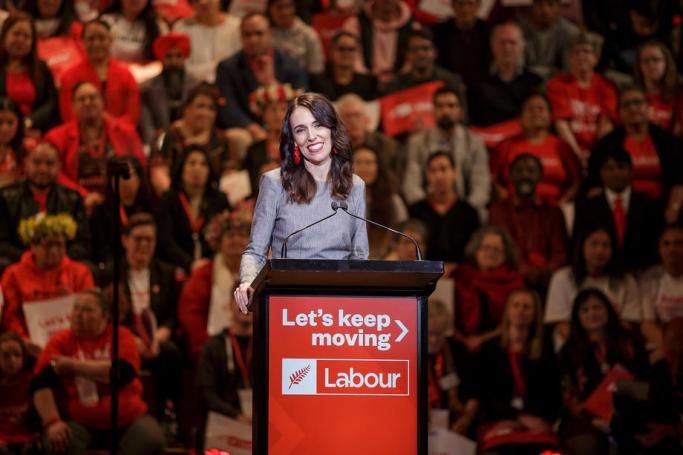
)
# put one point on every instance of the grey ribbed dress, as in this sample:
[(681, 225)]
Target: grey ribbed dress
[(340, 237)]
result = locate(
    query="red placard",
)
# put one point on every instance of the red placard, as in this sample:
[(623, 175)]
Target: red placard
[(599, 403), (495, 134), (342, 375), (410, 109), (60, 53)]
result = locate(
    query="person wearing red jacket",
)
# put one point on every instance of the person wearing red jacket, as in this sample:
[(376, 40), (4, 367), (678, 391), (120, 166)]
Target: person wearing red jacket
[(110, 76), (228, 234), (44, 272), (88, 142)]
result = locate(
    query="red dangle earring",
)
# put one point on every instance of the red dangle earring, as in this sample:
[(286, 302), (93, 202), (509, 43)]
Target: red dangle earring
[(334, 150), (297, 155)]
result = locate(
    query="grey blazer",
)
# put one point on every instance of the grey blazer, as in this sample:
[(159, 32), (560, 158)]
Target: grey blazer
[(340, 237)]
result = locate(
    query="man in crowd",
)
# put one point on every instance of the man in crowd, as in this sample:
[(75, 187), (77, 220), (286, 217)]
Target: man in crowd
[(40, 192), (473, 178), (497, 97), (537, 227)]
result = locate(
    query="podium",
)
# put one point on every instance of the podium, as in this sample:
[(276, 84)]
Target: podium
[(340, 356)]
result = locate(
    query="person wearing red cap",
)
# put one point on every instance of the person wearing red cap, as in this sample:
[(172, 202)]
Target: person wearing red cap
[(163, 96), (111, 77)]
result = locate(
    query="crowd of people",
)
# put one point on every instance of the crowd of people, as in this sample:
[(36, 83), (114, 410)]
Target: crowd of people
[(547, 175)]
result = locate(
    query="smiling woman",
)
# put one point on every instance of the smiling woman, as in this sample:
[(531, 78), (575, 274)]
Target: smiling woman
[(315, 153)]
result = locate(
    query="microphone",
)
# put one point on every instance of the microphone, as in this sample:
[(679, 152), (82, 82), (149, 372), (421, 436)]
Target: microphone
[(345, 207), (283, 250)]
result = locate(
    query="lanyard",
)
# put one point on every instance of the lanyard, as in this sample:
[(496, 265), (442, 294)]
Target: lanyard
[(232, 346), (195, 224), (517, 374), (124, 215)]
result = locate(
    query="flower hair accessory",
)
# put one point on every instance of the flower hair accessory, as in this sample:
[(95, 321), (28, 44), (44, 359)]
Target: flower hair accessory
[(237, 220), (264, 95), (42, 227)]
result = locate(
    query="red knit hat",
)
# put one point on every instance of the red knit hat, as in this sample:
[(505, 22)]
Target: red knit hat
[(173, 40)]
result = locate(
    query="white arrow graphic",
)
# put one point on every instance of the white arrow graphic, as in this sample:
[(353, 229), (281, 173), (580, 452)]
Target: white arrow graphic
[(404, 330)]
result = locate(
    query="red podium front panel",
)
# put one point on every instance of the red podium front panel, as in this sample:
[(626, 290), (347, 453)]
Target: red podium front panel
[(342, 375)]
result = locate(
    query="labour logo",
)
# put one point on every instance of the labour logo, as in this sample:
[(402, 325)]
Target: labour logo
[(298, 376)]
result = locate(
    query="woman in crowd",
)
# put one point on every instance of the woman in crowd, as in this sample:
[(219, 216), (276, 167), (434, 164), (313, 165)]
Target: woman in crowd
[(450, 220), (110, 76), (315, 153), (452, 383), (135, 197), (561, 170), (294, 37), (11, 141), (202, 311), (597, 343), (383, 204), (25, 78), (594, 266), (483, 283), (656, 73), (520, 394), (53, 18), (269, 103), (77, 362), (44, 272), (184, 210), (196, 128), (402, 249), (15, 398), (134, 27)]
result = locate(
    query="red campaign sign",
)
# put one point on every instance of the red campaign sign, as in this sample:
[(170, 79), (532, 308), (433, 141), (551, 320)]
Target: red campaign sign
[(410, 109), (60, 53), (495, 134), (342, 375), (599, 403)]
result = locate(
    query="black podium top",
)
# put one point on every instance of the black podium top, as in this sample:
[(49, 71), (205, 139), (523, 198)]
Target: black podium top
[(418, 276)]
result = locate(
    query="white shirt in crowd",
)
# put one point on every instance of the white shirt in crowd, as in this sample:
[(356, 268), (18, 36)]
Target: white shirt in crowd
[(662, 295), (138, 283), (128, 38)]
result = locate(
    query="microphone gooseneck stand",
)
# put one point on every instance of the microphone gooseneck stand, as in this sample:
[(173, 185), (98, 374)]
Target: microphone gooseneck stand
[(116, 170)]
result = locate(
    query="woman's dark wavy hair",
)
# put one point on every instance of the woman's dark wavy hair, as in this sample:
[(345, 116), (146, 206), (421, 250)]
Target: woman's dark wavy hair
[(203, 89), (616, 335), (177, 173), (143, 200), (381, 191), (579, 271), (31, 60), (149, 17), (66, 15), (17, 142), (296, 180)]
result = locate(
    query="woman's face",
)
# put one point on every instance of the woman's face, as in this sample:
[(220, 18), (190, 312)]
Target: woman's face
[(440, 174), (9, 123), (49, 253), (19, 40), (593, 315), (597, 249), (87, 318), (200, 113), (491, 252), (314, 140), (195, 170), (365, 165), (11, 357), (521, 309), (97, 41), (128, 189), (233, 243), (535, 114), (283, 13), (274, 114), (49, 8), (652, 63), (133, 8)]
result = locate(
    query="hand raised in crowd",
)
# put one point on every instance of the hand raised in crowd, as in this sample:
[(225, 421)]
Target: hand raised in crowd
[(59, 434), (243, 295)]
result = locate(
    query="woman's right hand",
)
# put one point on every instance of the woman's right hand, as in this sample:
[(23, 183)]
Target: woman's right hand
[(243, 295), (59, 434)]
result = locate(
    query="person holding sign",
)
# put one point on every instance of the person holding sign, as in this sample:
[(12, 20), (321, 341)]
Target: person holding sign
[(44, 273), (315, 151)]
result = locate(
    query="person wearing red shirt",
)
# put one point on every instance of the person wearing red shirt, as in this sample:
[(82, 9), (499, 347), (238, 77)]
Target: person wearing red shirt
[(111, 77), (74, 371), (44, 272), (584, 102), (561, 170), (657, 75), (655, 154), (483, 284), (537, 227), (89, 141)]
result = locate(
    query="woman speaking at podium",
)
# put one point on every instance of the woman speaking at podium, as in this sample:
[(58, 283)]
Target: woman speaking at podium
[(315, 171)]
